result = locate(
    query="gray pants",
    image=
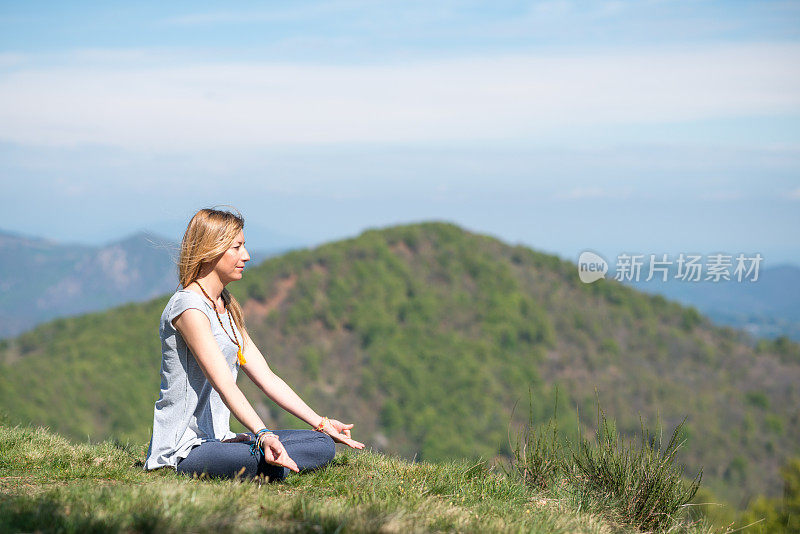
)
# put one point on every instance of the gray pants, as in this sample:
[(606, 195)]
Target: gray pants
[(308, 448)]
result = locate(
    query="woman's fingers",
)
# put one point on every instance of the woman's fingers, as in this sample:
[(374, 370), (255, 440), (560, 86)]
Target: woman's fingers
[(341, 434), (284, 460), (341, 428), (282, 457), (354, 444), (274, 453), (342, 438)]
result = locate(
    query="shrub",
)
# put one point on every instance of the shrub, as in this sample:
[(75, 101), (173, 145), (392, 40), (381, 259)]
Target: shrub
[(641, 483), (640, 486), (537, 454)]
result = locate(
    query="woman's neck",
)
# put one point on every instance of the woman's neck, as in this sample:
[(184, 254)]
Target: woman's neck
[(212, 285)]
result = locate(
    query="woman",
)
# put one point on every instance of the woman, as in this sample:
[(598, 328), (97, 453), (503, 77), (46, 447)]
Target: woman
[(204, 343)]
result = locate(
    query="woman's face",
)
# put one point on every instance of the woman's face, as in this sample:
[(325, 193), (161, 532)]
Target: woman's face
[(230, 265)]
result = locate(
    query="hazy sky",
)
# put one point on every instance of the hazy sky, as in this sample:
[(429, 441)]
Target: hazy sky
[(642, 126)]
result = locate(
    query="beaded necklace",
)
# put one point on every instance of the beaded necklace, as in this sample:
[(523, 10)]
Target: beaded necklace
[(234, 339)]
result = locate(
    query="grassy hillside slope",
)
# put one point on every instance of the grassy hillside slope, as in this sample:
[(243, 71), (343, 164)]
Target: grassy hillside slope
[(426, 335), (49, 484)]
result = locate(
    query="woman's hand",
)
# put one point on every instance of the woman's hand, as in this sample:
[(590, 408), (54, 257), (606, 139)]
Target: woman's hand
[(238, 438), (274, 453), (340, 433)]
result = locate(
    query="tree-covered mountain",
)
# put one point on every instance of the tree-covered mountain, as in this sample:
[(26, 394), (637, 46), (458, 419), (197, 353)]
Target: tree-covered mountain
[(426, 336)]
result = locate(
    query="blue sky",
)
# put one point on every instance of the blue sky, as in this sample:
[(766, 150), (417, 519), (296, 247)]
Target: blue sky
[(646, 126)]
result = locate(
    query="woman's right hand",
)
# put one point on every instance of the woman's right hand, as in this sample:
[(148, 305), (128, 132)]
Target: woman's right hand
[(274, 453), (340, 432)]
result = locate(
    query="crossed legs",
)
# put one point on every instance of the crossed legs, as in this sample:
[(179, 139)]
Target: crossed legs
[(308, 448)]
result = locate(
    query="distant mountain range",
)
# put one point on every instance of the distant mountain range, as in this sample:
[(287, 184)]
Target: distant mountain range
[(768, 307), (42, 279)]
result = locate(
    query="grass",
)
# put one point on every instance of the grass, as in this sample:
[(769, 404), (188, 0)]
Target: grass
[(640, 486), (640, 483), (50, 484)]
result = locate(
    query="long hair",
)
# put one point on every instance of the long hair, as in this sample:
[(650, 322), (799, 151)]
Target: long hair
[(209, 234)]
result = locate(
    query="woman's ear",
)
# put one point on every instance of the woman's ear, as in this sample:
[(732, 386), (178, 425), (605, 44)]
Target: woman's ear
[(206, 267)]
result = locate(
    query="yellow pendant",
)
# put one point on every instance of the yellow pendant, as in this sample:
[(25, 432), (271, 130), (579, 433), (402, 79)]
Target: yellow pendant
[(239, 355)]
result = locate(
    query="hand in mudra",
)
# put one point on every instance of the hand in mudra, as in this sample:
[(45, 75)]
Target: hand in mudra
[(340, 433), (274, 453)]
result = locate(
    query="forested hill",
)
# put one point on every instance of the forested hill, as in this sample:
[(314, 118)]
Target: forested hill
[(426, 336)]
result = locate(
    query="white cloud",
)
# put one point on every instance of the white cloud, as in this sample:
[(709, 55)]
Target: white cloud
[(133, 105), (793, 194)]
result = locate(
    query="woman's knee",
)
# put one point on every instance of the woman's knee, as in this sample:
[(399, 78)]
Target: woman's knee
[(312, 449), (328, 447), (322, 444), (215, 459)]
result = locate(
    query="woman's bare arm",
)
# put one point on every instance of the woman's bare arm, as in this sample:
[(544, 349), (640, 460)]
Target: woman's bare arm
[(195, 328), (273, 386), (284, 396)]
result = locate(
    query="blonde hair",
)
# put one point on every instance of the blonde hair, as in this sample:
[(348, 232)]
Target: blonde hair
[(208, 235)]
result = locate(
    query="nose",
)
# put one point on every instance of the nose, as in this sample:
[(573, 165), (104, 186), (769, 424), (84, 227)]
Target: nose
[(246, 256)]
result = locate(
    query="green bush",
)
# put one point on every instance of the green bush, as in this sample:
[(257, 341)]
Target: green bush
[(648, 490), (757, 399), (638, 485), (537, 454), (777, 515)]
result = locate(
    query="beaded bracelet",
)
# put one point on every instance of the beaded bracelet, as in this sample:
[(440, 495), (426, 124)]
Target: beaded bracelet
[(322, 424), (256, 444)]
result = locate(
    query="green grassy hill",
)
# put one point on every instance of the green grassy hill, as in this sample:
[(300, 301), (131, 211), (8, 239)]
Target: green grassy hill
[(48, 484), (426, 336)]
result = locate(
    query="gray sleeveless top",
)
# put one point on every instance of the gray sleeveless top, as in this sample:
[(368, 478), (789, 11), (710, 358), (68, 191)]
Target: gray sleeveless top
[(189, 410)]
